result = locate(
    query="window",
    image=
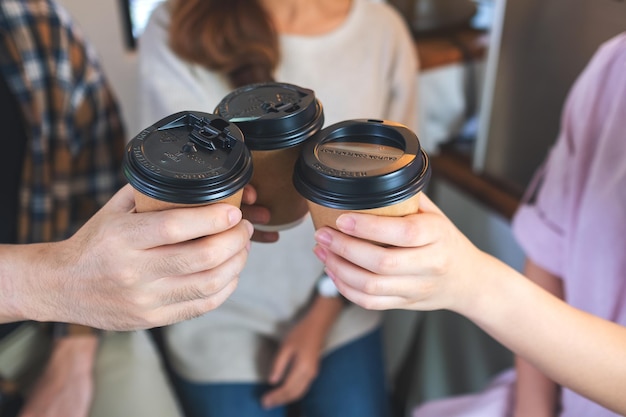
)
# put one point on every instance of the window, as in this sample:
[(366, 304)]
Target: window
[(135, 14)]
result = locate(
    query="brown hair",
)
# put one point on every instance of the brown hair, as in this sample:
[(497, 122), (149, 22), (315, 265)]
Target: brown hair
[(234, 37)]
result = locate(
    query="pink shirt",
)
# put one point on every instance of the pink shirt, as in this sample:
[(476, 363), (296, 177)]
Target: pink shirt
[(573, 222)]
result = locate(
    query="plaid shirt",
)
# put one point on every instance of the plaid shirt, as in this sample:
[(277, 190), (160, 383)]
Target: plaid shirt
[(74, 130)]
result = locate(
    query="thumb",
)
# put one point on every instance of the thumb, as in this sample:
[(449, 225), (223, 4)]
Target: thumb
[(426, 205)]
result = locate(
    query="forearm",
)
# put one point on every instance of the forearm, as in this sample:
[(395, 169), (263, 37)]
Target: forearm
[(65, 387), (76, 353), (536, 395), (322, 314), (574, 348), (25, 276)]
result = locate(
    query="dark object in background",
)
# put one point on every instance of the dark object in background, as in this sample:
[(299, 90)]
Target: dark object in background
[(426, 16)]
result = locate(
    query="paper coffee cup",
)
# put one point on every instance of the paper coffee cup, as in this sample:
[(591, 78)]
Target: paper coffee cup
[(370, 166), (276, 120), (187, 159)]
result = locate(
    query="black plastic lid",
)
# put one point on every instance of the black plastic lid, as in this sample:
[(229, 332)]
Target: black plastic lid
[(273, 115), (361, 164), (188, 158)]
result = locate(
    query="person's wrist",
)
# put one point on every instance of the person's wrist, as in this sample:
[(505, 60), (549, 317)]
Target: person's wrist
[(44, 266), (25, 283), (322, 313), (326, 288), (472, 300)]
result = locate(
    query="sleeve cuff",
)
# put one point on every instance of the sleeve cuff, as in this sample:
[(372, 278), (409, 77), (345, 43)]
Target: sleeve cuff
[(539, 241)]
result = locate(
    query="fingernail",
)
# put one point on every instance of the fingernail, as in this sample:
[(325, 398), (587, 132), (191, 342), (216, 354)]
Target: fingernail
[(321, 253), (234, 216), (323, 238), (346, 223)]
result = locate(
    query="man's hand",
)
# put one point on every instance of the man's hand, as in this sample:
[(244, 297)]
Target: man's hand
[(125, 270)]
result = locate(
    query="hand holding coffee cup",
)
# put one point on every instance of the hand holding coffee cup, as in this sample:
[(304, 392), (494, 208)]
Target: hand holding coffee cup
[(369, 166)]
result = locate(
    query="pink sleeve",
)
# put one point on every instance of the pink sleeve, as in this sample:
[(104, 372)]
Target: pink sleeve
[(545, 220), (540, 224)]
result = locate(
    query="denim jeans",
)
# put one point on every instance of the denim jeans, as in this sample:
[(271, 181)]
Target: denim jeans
[(350, 383)]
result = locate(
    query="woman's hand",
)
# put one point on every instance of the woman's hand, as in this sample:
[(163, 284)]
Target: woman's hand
[(426, 264), (297, 362)]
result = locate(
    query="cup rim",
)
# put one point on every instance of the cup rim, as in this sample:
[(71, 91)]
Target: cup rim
[(374, 188), (158, 180)]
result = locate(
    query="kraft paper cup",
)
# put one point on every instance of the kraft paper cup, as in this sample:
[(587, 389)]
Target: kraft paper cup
[(369, 166), (187, 159), (276, 120)]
